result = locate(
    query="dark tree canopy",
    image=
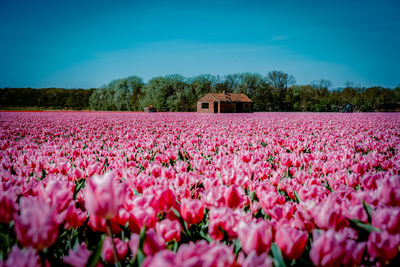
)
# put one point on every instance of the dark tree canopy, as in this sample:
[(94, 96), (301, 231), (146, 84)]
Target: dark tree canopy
[(275, 91)]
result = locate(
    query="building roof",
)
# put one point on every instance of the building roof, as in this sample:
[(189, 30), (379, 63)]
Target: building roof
[(225, 97)]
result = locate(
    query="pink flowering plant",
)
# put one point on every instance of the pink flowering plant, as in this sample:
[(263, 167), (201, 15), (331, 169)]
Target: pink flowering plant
[(185, 189)]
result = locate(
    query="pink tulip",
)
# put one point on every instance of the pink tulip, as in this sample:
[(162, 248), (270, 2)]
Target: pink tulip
[(169, 230), (8, 205), (222, 219), (292, 242), (166, 199), (387, 218), (328, 215), (327, 249), (134, 244), (383, 245), (202, 253), (353, 252), (37, 224), (103, 197), (254, 260), (78, 257), (22, 257), (74, 217), (153, 243), (255, 237), (233, 198), (269, 199), (388, 191), (192, 211), (121, 248), (58, 193), (164, 258)]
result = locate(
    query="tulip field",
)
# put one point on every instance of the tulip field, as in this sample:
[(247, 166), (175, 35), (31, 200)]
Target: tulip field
[(187, 189)]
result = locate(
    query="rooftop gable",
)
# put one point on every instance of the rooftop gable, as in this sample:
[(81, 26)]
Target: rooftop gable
[(226, 97)]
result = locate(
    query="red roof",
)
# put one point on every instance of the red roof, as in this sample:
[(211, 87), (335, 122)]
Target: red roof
[(225, 97)]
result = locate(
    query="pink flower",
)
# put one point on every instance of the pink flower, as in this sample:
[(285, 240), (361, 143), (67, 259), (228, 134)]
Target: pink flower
[(58, 193), (221, 219), (328, 214), (164, 258), (202, 253), (255, 237), (389, 192), (37, 223), (286, 161), (326, 249), (103, 197), (153, 243), (291, 242), (134, 244), (332, 248), (22, 258), (169, 230), (192, 211), (8, 205), (387, 218), (357, 212), (108, 250), (383, 245), (78, 257), (269, 199), (74, 217), (233, 198), (302, 220), (353, 253), (255, 260), (166, 199)]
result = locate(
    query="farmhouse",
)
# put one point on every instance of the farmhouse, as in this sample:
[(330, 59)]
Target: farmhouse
[(225, 103)]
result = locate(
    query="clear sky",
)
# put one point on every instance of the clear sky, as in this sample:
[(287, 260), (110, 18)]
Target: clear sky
[(82, 44)]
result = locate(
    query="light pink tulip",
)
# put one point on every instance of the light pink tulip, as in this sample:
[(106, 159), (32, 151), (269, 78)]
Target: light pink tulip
[(78, 257), (291, 241), (255, 237), (103, 196), (37, 224)]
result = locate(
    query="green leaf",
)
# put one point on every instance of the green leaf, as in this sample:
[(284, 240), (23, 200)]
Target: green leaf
[(237, 246), (327, 185), (206, 236), (264, 144), (367, 227), (3, 238), (135, 192), (79, 185), (296, 196), (140, 257), (368, 210), (176, 246), (94, 258), (142, 237), (177, 214), (277, 254), (180, 156), (253, 196)]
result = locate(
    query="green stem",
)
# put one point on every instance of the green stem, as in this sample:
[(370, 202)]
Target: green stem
[(109, 232)]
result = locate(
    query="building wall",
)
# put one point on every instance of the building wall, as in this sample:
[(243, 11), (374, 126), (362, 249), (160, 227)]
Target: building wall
[(228, 107), (203, 110), (247, 108), (223, 107)]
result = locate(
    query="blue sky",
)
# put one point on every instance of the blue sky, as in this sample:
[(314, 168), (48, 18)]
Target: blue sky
[(82, 44)]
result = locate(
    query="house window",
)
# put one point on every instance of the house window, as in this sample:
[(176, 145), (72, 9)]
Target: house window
[(204, 105)]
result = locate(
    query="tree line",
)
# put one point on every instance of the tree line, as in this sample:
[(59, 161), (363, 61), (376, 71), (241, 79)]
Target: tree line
[(275, 91), (45, 98)]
